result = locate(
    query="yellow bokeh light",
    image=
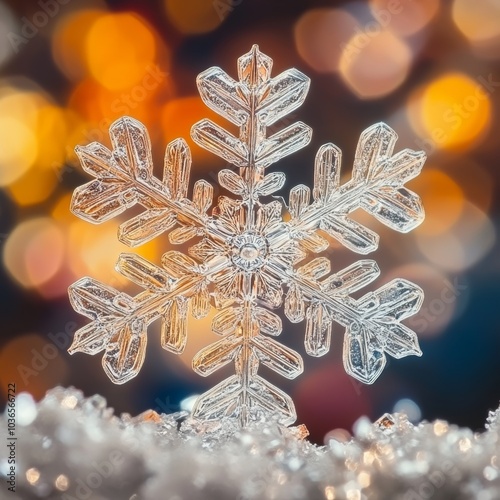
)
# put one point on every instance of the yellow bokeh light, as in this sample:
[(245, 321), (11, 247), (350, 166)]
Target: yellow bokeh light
[(68, 42), (479, 21), (453, 111), (119, 49), (35, 186), (75, 131), (18, 151), (33, 475), (54, 136), (52, 131), (443, 200), (61, 482), (201, 335), (34, 251), (35, 146), (319, 35), (374, 64), (19, 111), (38, 183), (21, 104), (196, 16)]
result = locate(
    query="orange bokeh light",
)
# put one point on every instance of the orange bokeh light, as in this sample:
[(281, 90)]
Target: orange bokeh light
[(100, 107), (119, 49), (443, 200), (60, 211), (19, 111), (19, 149), (179, 115), (36, 185), (52, 132), (95, 250), (453, 111), (68, 42), (200, 336)]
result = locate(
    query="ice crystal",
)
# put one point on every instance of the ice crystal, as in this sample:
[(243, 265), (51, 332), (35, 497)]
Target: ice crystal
[(247, 259), (77, 448)]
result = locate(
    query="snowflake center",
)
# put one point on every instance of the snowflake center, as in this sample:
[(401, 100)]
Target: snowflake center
[(249, 251)]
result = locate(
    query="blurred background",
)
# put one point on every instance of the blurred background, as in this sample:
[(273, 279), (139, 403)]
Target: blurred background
[(428, 68)]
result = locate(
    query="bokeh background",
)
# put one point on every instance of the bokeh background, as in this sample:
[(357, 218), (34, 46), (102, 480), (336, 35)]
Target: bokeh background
[(429, 68)]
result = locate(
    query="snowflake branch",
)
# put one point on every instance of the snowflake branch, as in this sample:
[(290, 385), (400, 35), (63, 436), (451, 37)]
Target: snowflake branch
[(120, 322), (125, 177), (373, 322), (376, 186)]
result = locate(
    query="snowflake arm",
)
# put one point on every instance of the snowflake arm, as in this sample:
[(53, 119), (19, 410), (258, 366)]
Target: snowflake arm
[(377, 186), (373, 322), (254, 103), (120, 322), (125, 177)]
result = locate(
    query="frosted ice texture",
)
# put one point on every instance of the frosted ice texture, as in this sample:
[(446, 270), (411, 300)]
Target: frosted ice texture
[(77, 448), (246, 258)]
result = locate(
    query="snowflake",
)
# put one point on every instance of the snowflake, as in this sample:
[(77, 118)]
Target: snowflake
[(244, 257)]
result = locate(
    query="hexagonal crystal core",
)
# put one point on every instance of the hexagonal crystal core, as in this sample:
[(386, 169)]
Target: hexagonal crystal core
[(249, 251)]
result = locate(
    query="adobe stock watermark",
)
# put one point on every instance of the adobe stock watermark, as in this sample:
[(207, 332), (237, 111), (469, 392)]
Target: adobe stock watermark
[(435, 480), (66, 167), (93, 480), (123, 105), (88, 486), (165, 406), (31, 27), (428, 314), (41, 358), (129, 100), (460, 112), (359, 386), (362, 36), (225, 7), (254, 485)]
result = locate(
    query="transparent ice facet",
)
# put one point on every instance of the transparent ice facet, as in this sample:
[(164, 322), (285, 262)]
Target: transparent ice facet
[(246, 256)]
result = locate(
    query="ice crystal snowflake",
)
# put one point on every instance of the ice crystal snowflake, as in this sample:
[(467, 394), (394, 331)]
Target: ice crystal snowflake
[(244, 258)]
